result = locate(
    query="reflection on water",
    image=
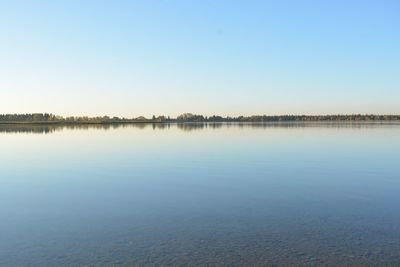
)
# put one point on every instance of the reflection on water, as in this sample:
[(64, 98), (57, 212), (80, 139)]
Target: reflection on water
[(51, 128), (302, 194)]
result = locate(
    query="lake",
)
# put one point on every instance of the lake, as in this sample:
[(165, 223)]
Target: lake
[(283, 194)]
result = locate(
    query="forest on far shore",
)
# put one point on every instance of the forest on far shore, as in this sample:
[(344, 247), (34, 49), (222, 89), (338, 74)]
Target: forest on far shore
[(189, 117)]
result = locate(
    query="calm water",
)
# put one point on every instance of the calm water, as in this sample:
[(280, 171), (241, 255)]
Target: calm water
[(207, 195)]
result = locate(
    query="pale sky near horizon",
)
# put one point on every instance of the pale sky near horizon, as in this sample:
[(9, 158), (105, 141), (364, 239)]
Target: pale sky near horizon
[(132, 58)]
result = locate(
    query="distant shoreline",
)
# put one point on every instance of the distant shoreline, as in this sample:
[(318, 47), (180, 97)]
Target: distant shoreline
[(46, 118), (71, 123), (199, 122)]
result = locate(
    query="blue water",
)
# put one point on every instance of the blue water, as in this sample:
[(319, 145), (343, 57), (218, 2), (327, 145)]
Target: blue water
[(196, 194)]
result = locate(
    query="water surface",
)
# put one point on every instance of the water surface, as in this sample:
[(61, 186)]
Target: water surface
[(298, 194)]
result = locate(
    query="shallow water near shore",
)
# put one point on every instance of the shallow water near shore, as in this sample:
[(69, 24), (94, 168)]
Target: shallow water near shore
[(302, 194)]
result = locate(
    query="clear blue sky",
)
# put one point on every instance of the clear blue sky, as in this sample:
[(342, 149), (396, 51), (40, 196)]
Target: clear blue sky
[(131, 58)]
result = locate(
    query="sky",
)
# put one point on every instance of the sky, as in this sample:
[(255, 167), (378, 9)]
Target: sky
[(225, 57)]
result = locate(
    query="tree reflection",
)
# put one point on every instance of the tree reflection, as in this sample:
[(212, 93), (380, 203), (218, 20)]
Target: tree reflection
[(187, 126)]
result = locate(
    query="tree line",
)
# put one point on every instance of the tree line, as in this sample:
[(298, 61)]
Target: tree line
[(189, 117)]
